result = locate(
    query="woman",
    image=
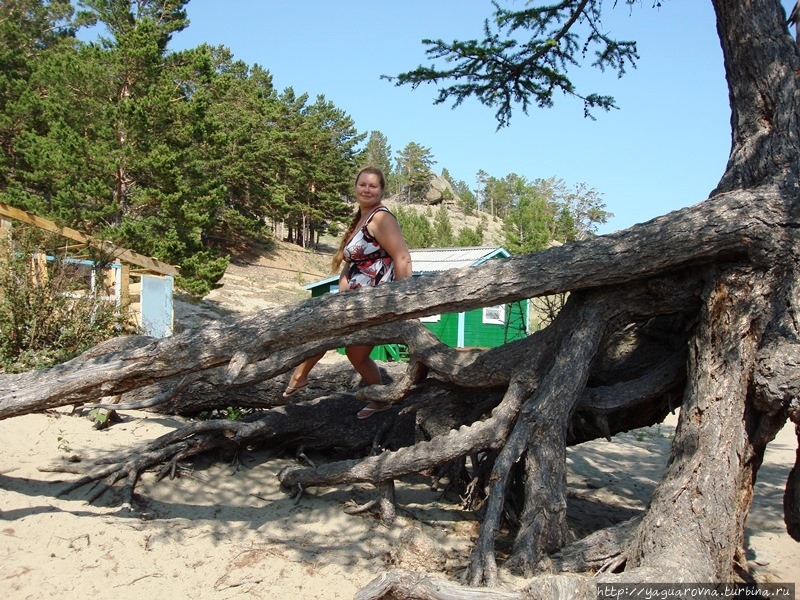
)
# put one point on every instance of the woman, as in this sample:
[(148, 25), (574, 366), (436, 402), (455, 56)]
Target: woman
[(374, 252)]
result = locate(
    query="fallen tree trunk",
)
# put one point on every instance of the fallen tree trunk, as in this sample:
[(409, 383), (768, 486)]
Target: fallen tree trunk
[(261, 346)]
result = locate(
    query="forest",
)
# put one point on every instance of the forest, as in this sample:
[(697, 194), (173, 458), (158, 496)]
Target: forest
[(188, 156)]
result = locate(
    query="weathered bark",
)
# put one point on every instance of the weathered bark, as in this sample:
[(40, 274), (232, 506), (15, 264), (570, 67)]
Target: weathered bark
[(719, 279), (761, 60), (412, 585), (264, 344), (597, 552), (703, 499), (551, 417), (540, 431)]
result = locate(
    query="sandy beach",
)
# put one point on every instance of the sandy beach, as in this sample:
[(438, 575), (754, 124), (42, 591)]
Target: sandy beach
[(227, 531)]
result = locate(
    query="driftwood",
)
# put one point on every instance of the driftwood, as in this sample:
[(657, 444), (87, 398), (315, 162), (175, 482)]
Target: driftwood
[(693, 311)]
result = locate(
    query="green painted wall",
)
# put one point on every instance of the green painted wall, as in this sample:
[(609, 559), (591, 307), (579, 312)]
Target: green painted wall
[(321, 290), (517, 319), (476, 332), (480, 334), (446, 328)]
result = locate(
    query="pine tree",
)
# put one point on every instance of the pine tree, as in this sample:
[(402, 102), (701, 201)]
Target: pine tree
[(378, 153), (325, 163), (29, 30), (414, 172), (443, 228), (417, 229), (529, 219)]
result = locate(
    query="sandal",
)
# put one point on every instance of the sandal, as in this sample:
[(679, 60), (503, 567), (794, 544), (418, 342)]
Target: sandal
[(371, 408), (291, 389)]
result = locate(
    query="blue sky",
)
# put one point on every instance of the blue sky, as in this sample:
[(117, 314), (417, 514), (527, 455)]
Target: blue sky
[(665, 148)]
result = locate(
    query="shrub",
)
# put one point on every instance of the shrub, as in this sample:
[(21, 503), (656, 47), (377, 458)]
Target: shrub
[(48, 311)]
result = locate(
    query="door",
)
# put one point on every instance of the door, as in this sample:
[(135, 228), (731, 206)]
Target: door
[(157, 306)]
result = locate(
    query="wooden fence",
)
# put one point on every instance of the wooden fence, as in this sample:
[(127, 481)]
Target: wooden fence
[(142, 283)]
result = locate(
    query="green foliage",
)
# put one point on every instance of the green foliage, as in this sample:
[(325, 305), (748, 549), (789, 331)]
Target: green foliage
[(467, 200), (420, 233), (582, 210), (378, 153), (471, 237), (327, 163), (47, 313), (29, 31), (230, 413), (443, 229), (183, 156), (529, 215), (502, 71), (417, 229), (233, 413), (189, 156), (63, 442), (102, 418), (200, 266), (413, 174), (199, 269), (543, 211)]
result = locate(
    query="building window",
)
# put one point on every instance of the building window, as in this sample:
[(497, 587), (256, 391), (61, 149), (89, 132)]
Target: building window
[(495, 315), (430, 319)]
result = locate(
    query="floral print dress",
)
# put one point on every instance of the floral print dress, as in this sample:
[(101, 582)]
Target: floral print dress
[(369, 263)]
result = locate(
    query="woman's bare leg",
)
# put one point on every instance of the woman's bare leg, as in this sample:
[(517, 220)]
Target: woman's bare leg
[(299, 378), (366, 367)]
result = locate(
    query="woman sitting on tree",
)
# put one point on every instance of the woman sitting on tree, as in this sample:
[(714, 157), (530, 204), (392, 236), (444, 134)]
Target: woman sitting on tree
[(374, 251)]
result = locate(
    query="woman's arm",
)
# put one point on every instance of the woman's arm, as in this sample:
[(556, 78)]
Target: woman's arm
[(386, 230), (343, 280)]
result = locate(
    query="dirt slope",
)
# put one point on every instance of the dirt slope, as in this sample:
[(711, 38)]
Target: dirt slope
[(257, 280)]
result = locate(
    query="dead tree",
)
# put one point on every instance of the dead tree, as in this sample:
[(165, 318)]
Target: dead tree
[(695, 309)]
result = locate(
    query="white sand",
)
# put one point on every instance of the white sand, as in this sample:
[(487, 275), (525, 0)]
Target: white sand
[(221, 532)]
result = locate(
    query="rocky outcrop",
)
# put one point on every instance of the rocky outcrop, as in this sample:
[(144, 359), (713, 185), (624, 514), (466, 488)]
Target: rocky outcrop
[(440, 191)]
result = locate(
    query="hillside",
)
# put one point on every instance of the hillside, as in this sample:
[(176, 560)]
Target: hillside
[(493, 235)]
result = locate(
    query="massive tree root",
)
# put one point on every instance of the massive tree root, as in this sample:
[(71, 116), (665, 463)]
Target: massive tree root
[(699, 507), (710, 333)]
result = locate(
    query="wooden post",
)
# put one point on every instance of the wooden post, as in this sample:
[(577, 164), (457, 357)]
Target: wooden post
[(5, 237), (109, 283), (124, 285), (5, 243), (39, 268)]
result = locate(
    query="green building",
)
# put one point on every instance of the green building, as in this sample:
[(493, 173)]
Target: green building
[(480, 328)]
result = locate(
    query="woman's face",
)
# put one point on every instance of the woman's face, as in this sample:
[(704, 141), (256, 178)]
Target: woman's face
[(368, 188)]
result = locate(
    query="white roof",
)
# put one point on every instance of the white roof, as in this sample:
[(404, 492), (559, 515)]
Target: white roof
[(429, 260), (433, 260)]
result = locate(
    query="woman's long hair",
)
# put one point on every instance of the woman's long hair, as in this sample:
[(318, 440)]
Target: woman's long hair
[(336, 262)]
